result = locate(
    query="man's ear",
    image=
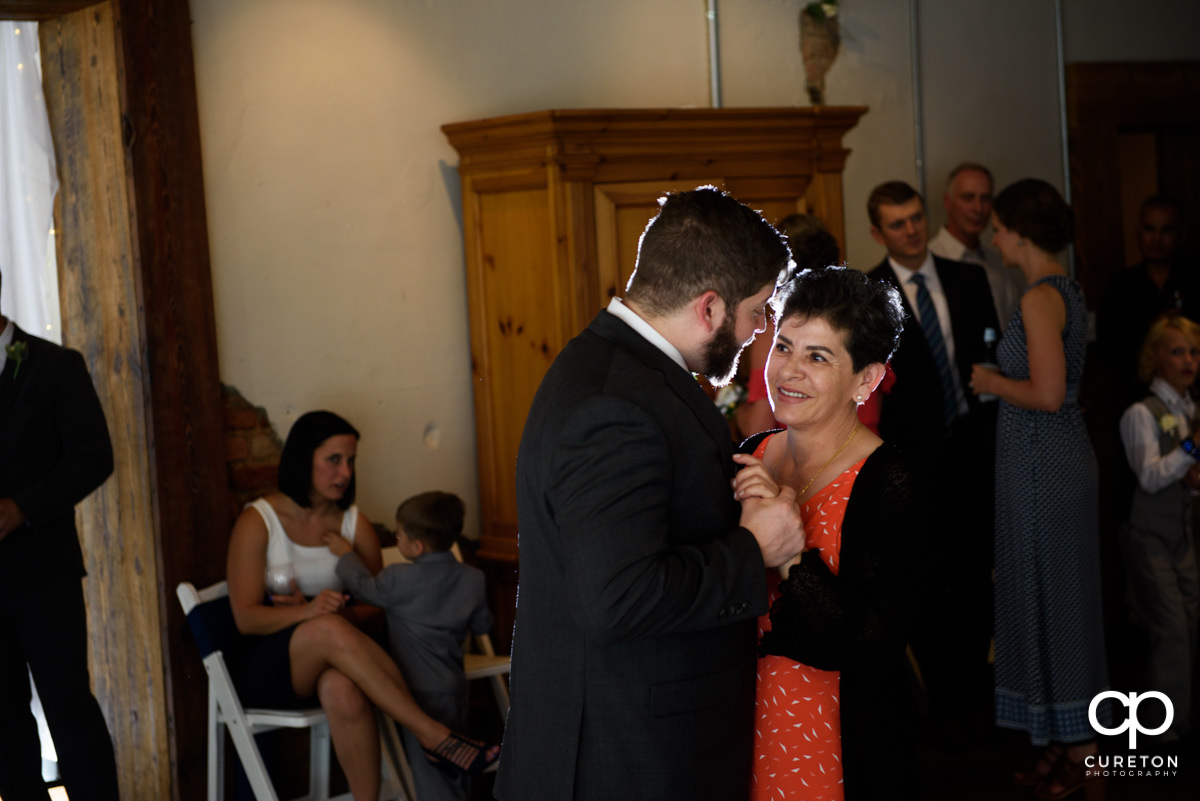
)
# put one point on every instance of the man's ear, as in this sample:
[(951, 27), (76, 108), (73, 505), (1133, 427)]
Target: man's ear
[(709, 310), (418, 545), (877, 235)]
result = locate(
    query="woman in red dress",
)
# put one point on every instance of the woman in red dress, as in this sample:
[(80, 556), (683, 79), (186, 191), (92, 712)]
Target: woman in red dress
[(834, 701)]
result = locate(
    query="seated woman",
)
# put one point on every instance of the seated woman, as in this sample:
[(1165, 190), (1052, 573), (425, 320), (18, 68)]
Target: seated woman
[(833, 715), (302, 644)]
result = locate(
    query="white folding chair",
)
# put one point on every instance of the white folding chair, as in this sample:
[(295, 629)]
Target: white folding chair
[(211, 621), (481, 662)]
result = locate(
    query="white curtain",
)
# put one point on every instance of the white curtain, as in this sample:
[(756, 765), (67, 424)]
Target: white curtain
[(28, 182)]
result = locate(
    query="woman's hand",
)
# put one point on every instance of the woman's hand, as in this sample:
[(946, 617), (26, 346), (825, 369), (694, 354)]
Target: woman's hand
[(294, 599), (753, 480), (983, 380)]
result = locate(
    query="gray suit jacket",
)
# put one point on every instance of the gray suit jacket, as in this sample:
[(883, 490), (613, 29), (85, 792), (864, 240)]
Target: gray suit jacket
[(430, 606), (634, 645)]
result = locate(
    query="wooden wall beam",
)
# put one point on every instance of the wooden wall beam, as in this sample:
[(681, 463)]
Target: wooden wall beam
[(186, 402), (101, 304), (174, 359)]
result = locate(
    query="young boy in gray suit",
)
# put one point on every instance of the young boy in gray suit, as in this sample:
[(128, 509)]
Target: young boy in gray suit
[(431, 604)]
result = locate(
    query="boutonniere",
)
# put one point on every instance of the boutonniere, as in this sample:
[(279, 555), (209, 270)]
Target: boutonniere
[(1169, 424), (17, 352), (730, 397)]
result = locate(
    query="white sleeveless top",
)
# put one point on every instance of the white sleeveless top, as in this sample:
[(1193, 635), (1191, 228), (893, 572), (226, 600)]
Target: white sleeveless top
[(315, 566)]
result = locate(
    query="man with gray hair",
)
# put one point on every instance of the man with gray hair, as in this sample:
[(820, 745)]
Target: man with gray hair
[(968, 202)]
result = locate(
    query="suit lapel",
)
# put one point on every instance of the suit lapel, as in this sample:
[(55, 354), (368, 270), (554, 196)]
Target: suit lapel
[(681, 382), (958, 305), (913, 337)]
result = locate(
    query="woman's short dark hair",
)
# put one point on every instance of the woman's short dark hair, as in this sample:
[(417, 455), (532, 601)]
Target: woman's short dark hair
[(866, 311), (295, 463), (1036, 211)]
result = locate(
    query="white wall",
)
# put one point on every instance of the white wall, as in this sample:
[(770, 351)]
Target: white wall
[(333, 201), (989, 92)]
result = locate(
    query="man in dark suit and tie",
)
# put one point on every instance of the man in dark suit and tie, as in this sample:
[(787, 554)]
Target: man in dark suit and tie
[(634, 647), (54, 451), (934, 417)]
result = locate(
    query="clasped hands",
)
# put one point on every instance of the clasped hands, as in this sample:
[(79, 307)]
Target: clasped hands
[(769, 512)]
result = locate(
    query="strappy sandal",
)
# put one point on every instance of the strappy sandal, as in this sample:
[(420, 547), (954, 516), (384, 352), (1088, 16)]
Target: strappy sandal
[(462, 754), (1071, 777), (1041, 769)]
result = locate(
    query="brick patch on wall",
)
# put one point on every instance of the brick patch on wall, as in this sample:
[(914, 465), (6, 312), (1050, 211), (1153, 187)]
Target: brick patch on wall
[(252, 449)]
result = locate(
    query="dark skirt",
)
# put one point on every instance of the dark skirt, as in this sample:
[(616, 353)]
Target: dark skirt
[(262, 672)]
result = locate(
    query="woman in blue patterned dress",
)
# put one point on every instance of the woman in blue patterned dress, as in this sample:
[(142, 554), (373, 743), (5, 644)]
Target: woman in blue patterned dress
[(1049, 629)]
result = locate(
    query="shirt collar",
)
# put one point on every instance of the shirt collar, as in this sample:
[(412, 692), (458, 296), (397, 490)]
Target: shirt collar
[(628, 316), (6, 338), (949, 243), (1167, 394), (926, 269)]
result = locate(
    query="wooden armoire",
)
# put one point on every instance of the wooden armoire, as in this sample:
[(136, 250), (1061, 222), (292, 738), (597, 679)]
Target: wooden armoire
[(554, 203)]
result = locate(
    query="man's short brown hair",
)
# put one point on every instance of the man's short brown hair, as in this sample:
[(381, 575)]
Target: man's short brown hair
[(892, 193), (705, 240)]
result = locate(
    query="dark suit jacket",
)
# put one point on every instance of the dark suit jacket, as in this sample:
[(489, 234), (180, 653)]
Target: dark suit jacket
[(634, 645), (912, 413), (54, 451)]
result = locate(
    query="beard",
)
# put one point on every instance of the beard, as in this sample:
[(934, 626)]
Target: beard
[(721, 354)]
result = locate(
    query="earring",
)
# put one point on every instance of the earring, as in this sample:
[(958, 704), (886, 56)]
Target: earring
[(858, 398)]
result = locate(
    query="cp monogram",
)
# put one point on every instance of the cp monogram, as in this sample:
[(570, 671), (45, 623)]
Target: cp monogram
[(1131, 723)]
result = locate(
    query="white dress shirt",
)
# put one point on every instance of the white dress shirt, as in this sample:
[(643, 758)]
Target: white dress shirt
[(628, 316), (6, 339), (943, 312), (1139, 434), (1007, 283)]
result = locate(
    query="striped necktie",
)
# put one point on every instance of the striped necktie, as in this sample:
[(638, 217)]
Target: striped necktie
[(932, 329)]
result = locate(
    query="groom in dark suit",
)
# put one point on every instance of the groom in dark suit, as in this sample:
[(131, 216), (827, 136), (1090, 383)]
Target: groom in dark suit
[(640, 580), (54, 451), (933, 416)]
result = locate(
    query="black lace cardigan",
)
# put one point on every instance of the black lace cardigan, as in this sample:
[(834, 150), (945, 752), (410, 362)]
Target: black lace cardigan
[(857, 622)]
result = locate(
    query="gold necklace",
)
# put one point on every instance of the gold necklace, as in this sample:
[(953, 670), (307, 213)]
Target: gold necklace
[(800, 494)]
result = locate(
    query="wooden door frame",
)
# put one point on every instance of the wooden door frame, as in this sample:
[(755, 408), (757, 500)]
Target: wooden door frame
[(183, 404), (1104, 99)]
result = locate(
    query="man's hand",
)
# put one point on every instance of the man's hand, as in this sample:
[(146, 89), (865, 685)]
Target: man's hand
[(775, 523), (11, 517)]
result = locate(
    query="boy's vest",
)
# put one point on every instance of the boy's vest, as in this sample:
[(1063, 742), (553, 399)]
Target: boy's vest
[(1168, 512)]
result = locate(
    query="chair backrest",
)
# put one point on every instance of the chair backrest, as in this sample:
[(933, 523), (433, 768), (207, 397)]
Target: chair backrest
[(209, 615)]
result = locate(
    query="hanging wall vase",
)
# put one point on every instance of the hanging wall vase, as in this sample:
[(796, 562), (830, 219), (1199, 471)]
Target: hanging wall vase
[(819, 42)]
